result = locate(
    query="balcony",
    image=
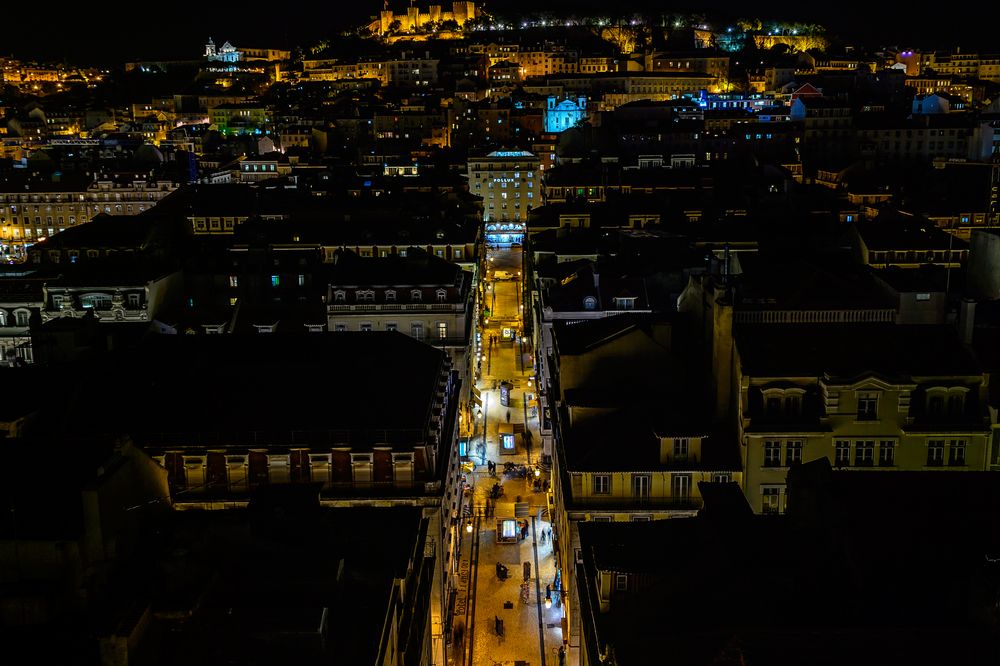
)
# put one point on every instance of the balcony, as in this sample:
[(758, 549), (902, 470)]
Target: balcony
[(611, 502), (395, 307)]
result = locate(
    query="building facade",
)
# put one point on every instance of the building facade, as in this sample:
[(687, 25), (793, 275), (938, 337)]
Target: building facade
[(508, 182)]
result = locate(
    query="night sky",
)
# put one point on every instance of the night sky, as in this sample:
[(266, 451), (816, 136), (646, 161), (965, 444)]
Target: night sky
[(119, 31)]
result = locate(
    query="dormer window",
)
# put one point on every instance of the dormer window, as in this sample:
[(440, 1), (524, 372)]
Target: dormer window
[(441, 295), (390, 295), (415, 295), (589, 303), (867, 407), (365, 295), (339, 296), (680, 449), (624, 303), (942, 401)]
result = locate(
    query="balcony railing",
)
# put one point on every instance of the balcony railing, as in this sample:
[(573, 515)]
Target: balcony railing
[(606, 502), (395, 307)]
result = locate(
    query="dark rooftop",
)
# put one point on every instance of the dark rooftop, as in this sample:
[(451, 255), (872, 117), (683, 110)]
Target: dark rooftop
[(369, 387), (849, 350)]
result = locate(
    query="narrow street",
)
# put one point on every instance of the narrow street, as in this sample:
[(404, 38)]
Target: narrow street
[(507, 621)]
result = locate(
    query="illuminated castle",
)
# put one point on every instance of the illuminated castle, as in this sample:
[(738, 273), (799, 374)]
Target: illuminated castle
[(461, 11)]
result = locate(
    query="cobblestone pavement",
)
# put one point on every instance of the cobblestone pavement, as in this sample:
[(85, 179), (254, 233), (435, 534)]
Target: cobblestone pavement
[(532, 633)]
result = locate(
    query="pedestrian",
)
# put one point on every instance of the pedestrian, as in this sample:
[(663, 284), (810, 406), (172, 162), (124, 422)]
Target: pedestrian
[(548, 592), (508, 416), (562, 655)]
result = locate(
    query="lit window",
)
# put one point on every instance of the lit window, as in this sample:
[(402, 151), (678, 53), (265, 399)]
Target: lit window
[(275, 280)]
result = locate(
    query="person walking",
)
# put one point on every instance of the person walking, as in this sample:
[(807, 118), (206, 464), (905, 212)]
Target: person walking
[(508, 416)]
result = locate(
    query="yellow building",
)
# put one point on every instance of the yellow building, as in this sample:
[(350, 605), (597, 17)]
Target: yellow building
[(31, 209), (866, 396)]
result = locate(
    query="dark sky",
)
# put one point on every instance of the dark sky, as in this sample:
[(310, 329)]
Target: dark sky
[(120, 31)]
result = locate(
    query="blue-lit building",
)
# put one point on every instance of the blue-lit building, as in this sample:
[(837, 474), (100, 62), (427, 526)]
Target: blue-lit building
[(563, 113), (507, 180)]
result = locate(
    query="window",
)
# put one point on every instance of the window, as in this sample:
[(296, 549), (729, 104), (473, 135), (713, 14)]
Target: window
[(364, 295), (417, 330), (773, 405), (793, 453), (415, 295), (868, 407), (602, 484), (935, 404), (441, 295), (722, 477), (275, 280), (956, 404), (365, 326), (772, 454), (935, 452), (640, 485), (886, 453), (234, 281), (864, 453), (589, 303), (771, 501), (621, 582), (390, 295), (680, 449), (339, 296), (956, 451), (793, 404), (442, 330), (391, 326), (302, 280), (96, 301), (680, 486), (339, 328), (457, 253), (843, 454), (133, 301)]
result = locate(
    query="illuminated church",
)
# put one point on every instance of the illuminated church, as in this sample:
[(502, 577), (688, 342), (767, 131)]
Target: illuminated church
[(226, 53)]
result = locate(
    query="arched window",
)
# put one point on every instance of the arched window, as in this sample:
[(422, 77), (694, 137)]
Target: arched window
[(441, 295), (21, 317), (339, 296), (365, 295), (415, 295), (589, 303), (390, 295)]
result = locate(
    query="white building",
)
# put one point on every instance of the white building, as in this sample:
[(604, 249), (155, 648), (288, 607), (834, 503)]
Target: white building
[(507, 181)]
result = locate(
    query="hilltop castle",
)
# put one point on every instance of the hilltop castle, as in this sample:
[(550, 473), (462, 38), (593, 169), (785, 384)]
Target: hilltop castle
[(461, 11)]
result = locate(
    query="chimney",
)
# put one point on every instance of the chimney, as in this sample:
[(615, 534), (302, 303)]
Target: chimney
[(967, 320)]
